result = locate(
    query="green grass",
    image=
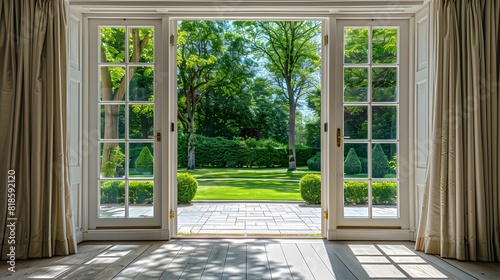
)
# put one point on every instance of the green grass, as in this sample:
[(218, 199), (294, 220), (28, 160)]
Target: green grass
[(248, 183), (249, 173), (364, 175), (247, 190)]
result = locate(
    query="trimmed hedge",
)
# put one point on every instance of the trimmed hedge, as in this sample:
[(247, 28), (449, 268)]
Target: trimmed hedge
[(186, 187), (380, 164), (221, 152), (383, 193), (310, 188), (314, 163), (140, 192)]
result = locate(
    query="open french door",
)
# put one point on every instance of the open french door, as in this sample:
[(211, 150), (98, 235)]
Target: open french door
[(124, 107), (371, 124)]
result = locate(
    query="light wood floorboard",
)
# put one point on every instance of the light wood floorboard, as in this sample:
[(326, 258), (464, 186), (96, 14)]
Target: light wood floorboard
[(248, 259)]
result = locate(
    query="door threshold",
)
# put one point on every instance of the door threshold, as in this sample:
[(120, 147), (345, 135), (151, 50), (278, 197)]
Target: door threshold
[(249, 236)]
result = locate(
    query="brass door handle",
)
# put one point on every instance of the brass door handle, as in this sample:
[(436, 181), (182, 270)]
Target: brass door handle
[(157, 137), (340, 137)]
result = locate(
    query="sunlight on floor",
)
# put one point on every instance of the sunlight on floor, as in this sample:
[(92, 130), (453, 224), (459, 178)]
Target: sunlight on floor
[(393, 261)]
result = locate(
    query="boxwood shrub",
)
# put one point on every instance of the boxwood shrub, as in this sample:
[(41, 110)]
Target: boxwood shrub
[(310, 188), (314, 163), (140, 192), (186, 187), (384, 193)]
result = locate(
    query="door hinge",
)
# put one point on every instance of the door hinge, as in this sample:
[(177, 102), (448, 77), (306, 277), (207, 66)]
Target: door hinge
[(325, 40), (172, 38), (172, 214), (325, 127), (325, 214), (172, 127)]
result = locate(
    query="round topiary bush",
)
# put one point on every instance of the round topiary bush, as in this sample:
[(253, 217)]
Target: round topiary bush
[(352, 164), (186, 187), (144, 162), (380, 163), (314, 163), (310, 188)]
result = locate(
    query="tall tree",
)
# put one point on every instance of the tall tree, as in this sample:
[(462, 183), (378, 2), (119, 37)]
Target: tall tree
[(210, 57), (290, 50), (114, 81)]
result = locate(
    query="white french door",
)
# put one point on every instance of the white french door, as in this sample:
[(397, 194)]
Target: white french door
[(124, 110), (371, 124)]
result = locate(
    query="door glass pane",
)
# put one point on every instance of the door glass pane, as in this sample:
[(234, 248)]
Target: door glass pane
[(112, 45), (141, 86), (141, 121), (141, 44), (355, 45), (112, 199), (112, 121), (130, 84), (384, 84), (112, 81), (355, 160), (385, 45), (140, 197), (355, 84), (141, 156), (385, 199), (384, 124), (356, 199), (384, 160), (371, 120), (112, 160), (356, 122)]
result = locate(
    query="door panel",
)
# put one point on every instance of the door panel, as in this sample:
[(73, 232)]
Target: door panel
[(372, 126), (124, 109)]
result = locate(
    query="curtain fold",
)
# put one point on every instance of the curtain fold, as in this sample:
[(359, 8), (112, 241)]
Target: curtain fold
[(461, 214), (33, 90)]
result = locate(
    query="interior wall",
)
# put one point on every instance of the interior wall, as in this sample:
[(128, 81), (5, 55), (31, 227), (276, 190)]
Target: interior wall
[(422, 105), (74, 120)]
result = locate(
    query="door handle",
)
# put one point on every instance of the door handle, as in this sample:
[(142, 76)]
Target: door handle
[(340, 137), (157, 137)]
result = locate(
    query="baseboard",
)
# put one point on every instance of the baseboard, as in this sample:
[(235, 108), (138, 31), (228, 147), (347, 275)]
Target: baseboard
[(127, 234), (371, 234)]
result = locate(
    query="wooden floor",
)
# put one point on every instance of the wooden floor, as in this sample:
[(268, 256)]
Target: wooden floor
[(249, 259)]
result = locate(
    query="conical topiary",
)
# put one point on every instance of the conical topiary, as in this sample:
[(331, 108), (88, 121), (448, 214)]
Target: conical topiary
[(145, 161), (380, 164), (352, 164)]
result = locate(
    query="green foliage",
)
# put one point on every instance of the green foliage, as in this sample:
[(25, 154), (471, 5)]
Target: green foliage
[(186, 187), (380, 164), (383, 193), (355, 193), (115, 160), (145, 161), (140, 192), (393, 164), (113, 192), (314, 163), (352, 164), (302, 153), (310, 188)]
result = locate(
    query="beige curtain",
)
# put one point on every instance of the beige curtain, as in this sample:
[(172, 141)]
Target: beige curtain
[(461, 212), (33, 128)]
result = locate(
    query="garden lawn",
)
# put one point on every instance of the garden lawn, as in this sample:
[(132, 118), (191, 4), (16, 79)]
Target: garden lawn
[(249, 173), (247, 189)]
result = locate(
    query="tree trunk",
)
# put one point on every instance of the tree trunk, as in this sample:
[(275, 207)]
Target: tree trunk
[(110, 119), (191, 145), (292, 159)]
